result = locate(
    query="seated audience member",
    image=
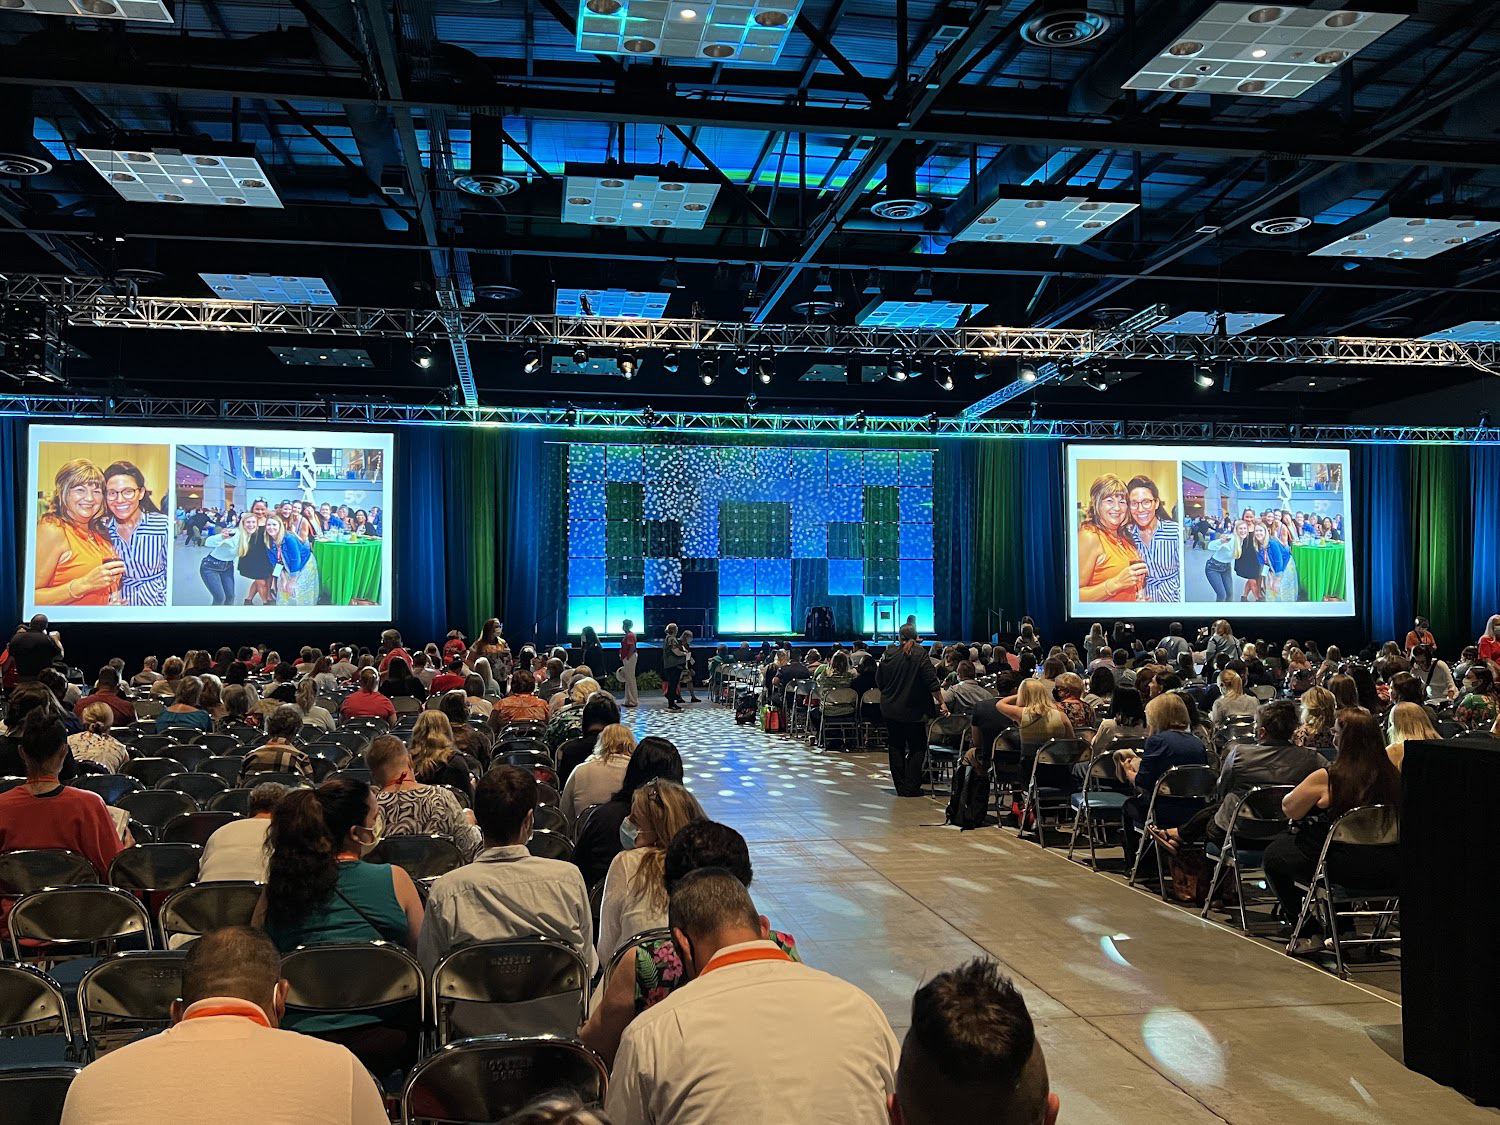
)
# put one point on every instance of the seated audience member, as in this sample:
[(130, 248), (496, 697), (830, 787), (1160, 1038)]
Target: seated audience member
[(148, 674), (399, 682), (1479, 705), (279, 754), (1168, 744), (655, 970), (596, 779), (1272, 759), (184, 711), (602, 710), (599, 833), (1070, 701), (971, 1054), (94, 743), (212, 1066), (166, 686), (45, 813), (522, 704), (507, 892), (705, 1053), (411, 808), (1318, 715), (238, 849), (367, 702), (313, 713), (107, 691), (318, 890), (553, 682), (434, 754), (1234, 701), (635, 889), (1036, 713), (467, 739), (967, 693), (1409, 723), (1126, 719), (1361, 774)]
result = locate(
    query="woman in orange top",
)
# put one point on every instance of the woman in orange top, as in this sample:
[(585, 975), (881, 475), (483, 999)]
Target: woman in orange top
[(1110, 569), (75, 562)]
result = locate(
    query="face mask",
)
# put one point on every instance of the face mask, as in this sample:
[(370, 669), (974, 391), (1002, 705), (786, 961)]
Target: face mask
[(628, 833)]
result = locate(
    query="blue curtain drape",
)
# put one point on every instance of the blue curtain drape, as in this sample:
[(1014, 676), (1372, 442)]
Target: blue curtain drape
[(1484, 498), (1382, 539)]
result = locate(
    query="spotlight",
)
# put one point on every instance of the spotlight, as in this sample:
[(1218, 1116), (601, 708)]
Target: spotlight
[(742, 364), (422, 356), (901, 370), (532, 362), (1027, 371), (580, 355), (627, 365), (859, 421), (872, 283), (1203, 375), (766, 367), (671, 362), (942, 375)]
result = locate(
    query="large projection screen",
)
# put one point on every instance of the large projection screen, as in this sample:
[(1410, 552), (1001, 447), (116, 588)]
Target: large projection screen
[(1173, 531), (180, 524)]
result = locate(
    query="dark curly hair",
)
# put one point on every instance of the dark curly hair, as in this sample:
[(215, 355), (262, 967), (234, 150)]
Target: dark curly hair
[(307, 828)]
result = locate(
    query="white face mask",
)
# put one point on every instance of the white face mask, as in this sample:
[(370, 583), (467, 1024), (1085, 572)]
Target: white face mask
[(628, 833)]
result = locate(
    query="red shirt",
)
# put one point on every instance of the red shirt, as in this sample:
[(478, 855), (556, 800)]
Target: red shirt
[(64, 818), (368, 704), (627, 646), (445, 681), (124, 709)]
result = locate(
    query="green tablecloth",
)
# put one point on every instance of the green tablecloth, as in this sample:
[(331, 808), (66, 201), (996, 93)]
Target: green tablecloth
[(1320, 571), (349, 571)]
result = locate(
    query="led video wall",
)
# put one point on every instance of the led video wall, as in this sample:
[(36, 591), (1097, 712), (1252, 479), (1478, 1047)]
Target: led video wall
[(749, 531)]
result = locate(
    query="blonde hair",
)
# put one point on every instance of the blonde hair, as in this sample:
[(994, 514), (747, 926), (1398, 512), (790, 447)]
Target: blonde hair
[(98, 718), (431, 742), (1034, 699), (1167, 712), (1231, 684), (662, 808), (1317, 710), (1408, 721), (615, 741), (580, 690)]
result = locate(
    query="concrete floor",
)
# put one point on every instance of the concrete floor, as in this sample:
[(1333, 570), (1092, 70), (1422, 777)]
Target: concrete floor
[(1147, 1013)]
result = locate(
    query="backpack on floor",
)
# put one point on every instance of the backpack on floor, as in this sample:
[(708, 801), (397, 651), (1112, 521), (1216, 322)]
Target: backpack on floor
[(971, 797)]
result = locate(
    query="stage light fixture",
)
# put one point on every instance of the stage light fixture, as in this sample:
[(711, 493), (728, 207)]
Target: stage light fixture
[(671, 362), (1026, 370), (422, 356), (580, 355), (1203, 375), (767, 368), (532, 363), (627, 365), (742, 364)]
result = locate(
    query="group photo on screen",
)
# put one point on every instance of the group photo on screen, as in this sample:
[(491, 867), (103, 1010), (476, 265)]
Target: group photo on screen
[(196, 523), (1170, 529)]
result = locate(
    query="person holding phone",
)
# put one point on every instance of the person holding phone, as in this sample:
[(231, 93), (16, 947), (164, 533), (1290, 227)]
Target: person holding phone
[(1110, 568), (138, 533), (75, 561)]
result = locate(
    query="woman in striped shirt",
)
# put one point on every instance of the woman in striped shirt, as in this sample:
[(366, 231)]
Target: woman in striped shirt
[(139, 534)]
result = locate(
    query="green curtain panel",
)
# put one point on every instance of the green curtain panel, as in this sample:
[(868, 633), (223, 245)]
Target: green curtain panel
[(1441, 538)]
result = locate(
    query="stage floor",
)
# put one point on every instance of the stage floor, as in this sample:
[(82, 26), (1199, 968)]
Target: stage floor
[(1148, 1014)]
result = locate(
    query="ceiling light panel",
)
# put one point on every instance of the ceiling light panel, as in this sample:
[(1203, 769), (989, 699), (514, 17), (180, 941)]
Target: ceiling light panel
[(143, 176), (1062, 222), (1204, 323), (1408, 238), (642, 201), (144, 11), (269, 289), (727, 31), (1470, 332), (621, 303), (1261, 51), (912, 314)]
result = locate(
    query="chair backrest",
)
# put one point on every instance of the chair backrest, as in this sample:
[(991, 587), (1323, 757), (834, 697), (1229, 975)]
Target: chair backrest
[(527, 986), (148, 771), (110, 786), (28, 870), (135, 988), (155, 867), (550, 818), (231, 800), (491, 1077), (550, 845), (201, 787), (202, 907), (31, 1001), (352, 976), (35, 1094), (1367, 826), (420, 855), (154, 807), (95, 914)]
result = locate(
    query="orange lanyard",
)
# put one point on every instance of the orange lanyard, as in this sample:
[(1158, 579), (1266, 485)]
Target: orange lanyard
[(249, 1012), (740, 956)]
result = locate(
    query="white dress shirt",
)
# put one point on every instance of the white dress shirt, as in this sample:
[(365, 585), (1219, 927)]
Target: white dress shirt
[(622, 912), (236, 851), (507, 893), (764, 1040), (225, 1070)]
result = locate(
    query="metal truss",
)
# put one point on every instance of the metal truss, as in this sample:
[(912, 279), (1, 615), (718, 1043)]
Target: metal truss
[(585, 420), (95, 303)]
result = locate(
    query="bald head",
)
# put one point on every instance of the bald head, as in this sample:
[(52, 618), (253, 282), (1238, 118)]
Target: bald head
[(971, 1053), (237, 961)]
